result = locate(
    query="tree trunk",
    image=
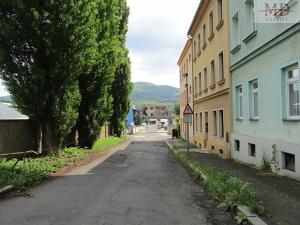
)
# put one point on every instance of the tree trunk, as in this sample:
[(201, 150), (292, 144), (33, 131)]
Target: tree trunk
[(50, 142), (39, 137)]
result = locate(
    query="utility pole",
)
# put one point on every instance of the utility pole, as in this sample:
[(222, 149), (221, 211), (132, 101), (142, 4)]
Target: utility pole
[(187, 114)]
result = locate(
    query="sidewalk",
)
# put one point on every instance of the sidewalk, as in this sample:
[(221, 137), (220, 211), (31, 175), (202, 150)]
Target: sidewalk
[(281, 195)]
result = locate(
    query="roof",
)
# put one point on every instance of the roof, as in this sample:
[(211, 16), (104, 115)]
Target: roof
[(184, 51), (197, 17), (8, 112)]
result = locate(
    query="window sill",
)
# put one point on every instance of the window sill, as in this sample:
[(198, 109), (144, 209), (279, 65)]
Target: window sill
[(250, 36), (239, 119), (211, 36), (213, 86), (220, 24), (254, 119), (204, 46), (220, 82), (291, 120), (205, 90), (235, 49)]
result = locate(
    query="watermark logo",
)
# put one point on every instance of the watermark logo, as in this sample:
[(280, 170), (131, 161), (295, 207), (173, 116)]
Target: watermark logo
[(277, 11)]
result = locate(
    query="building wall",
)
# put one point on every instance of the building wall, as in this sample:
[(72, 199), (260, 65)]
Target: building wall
[(217, 93), (185, 67), (264, 54), (271, 128)]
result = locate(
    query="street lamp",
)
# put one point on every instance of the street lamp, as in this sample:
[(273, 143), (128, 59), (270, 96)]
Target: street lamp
[(187, 102)]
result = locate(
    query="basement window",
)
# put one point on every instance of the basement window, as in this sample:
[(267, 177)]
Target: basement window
[(237, 145), (252, 149), (289, 161)]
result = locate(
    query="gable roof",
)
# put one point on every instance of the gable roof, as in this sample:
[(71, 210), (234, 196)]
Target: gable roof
[(8, 112)]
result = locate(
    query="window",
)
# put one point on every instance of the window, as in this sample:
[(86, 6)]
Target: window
[(200, 82), (221, 66), (221, 124), (215, 129), (289, 161), (293, 93), (211, 23), (205, 78), (199, 44), (204, 34), (196, 122), (252, 150), (200, 118), (237, 145), (239, 102), (195, 49), (220, 10), (249, 16), (196, 86), (235, 30), (212, 72), (254, 101)]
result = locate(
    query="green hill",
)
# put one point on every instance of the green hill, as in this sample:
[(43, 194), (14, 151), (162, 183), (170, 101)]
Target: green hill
[(148, 92)]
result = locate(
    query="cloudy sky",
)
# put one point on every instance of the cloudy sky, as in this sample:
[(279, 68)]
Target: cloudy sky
[(157, 34)]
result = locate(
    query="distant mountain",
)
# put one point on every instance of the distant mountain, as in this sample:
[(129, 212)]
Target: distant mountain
[(5, 99), (144, 91)]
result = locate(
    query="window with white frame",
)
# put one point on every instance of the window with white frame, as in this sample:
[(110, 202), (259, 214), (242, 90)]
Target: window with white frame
[(235, 30), (215, 123), (249, 17), (293, 92), (239, 102), (254, 99), (220, 10), (212, 72), (221, 123), (200, 120), (205, 78)]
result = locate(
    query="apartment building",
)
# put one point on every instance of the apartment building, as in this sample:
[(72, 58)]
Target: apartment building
[(265, 59), (154, 112), (186, 87), (209, 32)]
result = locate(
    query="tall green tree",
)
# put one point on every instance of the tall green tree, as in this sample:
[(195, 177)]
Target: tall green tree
[(95, 85), (122, 86), (44, 47)]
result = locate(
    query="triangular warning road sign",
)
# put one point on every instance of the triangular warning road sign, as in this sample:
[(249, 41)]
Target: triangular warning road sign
[(188, 110)]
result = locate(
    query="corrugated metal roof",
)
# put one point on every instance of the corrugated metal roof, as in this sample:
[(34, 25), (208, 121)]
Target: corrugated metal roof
[(8, 112)]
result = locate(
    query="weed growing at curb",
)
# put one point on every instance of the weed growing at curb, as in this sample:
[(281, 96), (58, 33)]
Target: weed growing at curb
[(35, 170), (226, 189)]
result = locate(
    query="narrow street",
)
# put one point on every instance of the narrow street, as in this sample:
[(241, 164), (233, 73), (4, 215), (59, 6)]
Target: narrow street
[(140, 185)]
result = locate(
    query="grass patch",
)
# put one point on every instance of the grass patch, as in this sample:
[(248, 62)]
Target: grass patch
[(226, 189), (36, 170)]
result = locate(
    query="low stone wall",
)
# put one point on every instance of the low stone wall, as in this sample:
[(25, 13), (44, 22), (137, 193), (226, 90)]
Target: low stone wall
[(17, 136), (20, 135)]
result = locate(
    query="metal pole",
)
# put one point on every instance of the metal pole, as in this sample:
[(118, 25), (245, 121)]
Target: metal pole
[(187, 124)]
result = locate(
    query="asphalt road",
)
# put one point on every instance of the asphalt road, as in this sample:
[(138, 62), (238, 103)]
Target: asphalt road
[(141, 185)]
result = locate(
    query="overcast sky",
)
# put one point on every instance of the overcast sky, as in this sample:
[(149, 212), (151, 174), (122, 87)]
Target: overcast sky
[(156, 37)]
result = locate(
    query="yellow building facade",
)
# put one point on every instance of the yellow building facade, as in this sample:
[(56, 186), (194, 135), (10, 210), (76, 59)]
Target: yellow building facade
[(209, 34), (186, 93)]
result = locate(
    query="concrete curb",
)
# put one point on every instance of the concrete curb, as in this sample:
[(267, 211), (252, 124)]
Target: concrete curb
[(6, 189), (252, 218)]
